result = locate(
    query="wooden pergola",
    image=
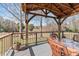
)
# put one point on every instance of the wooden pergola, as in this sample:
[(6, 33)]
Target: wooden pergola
[(60, 10)]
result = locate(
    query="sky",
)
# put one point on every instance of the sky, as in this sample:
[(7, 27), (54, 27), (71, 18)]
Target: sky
[(5, 14), (14, 7)]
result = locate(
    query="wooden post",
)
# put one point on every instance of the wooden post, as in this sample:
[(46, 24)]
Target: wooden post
[(36, 38), (12, 40), (41, 26), (1, 52), (21, 24), (59, 29), (26, 17)]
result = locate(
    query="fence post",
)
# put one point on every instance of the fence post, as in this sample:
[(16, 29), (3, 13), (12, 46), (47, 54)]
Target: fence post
[(36, 38), (63, 36), (12, 40), (1, 47)]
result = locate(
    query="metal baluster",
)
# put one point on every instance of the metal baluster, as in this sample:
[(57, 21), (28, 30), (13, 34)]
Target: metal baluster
[(36, 38)]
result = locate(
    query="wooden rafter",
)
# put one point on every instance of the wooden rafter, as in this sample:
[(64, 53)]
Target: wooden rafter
[(59, 9)]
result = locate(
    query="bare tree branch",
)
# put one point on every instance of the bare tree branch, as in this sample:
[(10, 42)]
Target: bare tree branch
[(9, 11)]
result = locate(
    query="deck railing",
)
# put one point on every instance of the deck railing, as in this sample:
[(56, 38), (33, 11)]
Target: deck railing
[(33, 37), (9, 40), (6, 42), (70, 35)]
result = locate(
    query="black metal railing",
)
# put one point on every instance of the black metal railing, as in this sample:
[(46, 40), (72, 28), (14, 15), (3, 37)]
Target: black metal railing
[(33, 37)]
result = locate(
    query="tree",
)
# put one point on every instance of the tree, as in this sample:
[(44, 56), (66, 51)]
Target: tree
[(7, 25), (23, 26), (15, 11), (30, 27)]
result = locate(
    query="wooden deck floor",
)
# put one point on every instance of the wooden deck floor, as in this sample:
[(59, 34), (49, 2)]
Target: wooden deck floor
[(38, 50)]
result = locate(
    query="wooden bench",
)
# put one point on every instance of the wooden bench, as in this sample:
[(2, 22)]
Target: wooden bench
[(58, 48)]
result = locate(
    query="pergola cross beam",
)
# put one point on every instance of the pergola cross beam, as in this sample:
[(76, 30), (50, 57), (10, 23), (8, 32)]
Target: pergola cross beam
[(64, 19), (41, 15), (46, 11), (31, 18)]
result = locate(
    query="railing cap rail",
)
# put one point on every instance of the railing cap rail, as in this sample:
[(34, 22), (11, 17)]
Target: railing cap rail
[(3, 36)]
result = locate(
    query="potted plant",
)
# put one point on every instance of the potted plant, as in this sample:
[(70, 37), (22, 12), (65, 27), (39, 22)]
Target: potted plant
[(17, 46)]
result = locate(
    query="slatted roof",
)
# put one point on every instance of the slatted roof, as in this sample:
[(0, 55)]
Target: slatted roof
[(58, 9)]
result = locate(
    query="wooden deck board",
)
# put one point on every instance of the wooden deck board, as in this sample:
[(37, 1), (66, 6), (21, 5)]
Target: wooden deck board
[(38, 50)]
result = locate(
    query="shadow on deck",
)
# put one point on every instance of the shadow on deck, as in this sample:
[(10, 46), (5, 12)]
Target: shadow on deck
[(35, 50)]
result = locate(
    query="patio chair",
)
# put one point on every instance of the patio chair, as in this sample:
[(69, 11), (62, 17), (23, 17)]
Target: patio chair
[(59, 49)]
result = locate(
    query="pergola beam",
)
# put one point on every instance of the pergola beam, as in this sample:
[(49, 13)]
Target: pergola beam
[(59, 29), (26, 21), (64, 19), (41, 15), (31, 18), (45, 12)]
